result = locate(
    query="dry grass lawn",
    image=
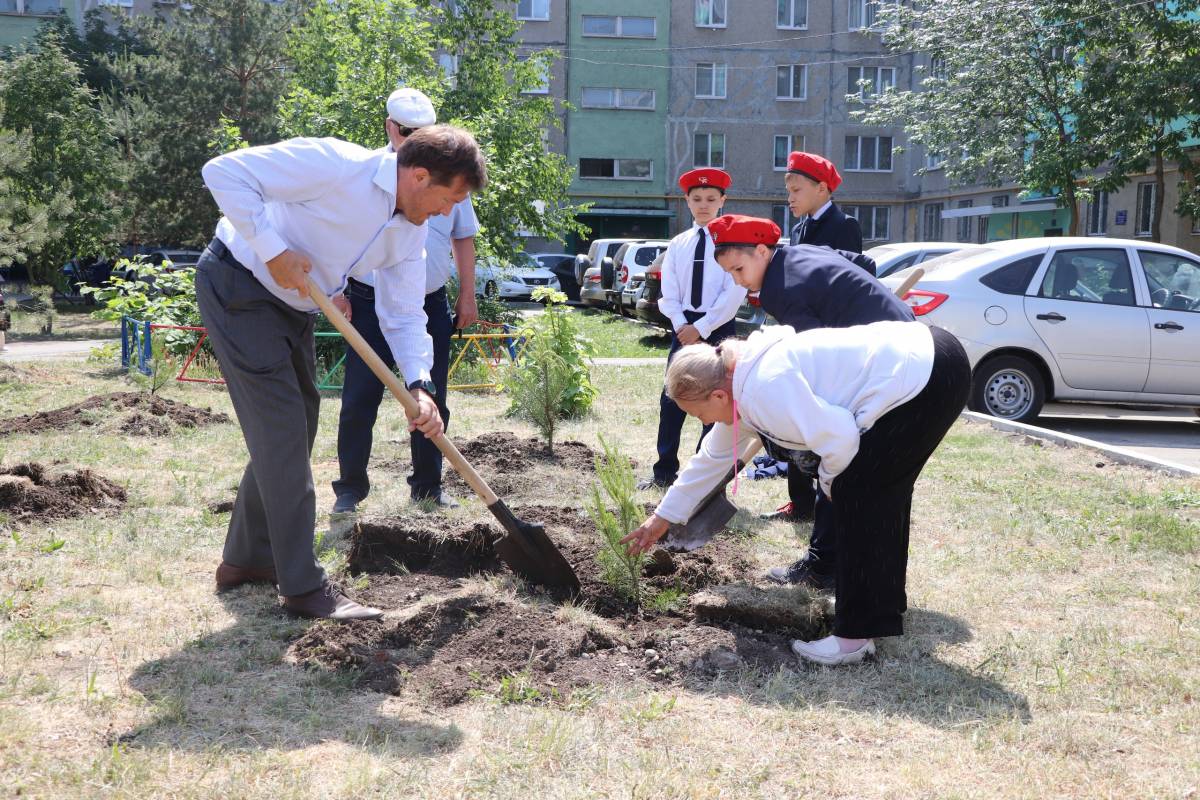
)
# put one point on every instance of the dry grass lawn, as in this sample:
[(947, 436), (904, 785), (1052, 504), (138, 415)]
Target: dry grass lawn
[(1053, 645)]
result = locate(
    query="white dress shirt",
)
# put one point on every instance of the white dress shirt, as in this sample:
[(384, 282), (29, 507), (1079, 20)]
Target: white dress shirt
[(335, 203), (721, 297), (439, 265), (817, 390)]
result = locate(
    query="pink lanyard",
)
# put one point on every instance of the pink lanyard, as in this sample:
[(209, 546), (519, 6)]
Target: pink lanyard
[(736, 446)]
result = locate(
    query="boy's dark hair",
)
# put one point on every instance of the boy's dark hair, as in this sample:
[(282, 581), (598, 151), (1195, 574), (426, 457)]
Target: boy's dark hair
[(704, 186), (722, 249), (447, 152)]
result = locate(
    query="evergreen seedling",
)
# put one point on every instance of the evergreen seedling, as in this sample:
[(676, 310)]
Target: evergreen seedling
[(618, 568)]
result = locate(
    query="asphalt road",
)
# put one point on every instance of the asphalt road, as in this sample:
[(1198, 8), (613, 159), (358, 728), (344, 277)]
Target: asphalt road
[(1171, 434)]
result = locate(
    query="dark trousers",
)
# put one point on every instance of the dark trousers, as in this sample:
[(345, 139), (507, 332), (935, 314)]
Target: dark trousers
[(671, 416), (872, 498), (822, 545), (267, 356), (362, 393)]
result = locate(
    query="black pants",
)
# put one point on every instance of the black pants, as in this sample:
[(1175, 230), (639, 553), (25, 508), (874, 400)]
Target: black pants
[(267, 356), (872, 498), (671, 416), (822, 546), (362, 393)]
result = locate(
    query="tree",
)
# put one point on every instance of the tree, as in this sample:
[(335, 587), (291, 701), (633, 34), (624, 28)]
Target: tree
[(23, 223), (1141, 80), (1003, 95), (71, 156)]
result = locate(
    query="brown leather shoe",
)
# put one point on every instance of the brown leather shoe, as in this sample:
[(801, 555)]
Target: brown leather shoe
[(231, 577), (329, 602)]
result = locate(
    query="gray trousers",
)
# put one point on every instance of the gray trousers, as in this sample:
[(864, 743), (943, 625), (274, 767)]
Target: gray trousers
[(267, 355)]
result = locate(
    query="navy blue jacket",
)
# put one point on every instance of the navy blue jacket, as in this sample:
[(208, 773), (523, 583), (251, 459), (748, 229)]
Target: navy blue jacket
[(832, 229), (814, 287)]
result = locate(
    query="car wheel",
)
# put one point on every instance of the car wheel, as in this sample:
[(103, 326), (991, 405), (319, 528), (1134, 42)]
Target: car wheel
[(1008, 387), (490, 289)]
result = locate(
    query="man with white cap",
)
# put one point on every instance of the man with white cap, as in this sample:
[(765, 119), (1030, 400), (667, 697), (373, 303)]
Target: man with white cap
[(408, 110)]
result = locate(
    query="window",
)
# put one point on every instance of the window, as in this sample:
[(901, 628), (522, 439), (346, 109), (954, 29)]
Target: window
[(931, 229), (1174, 281), (710, 80), (449, 65), (709, 150), (49, 7), (791, 82), (792, 15), (1013, 278), (868, 154), (862, 14), (710, 13), (1097, 215), (630, 99), (533, 9), (965, 224), (121, 3), (875, 221), (1089, 276), (784, 145), (542, 78), (1147, 199), (626, 27), (1000, 201), (1195, 225), (782, 216), (617, 169), (877, 80), (934, 160), (937, 67)]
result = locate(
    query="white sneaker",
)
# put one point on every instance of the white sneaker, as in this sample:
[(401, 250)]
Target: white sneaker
[(827, 652)]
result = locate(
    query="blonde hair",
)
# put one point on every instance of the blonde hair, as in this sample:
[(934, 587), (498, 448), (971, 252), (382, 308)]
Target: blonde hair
[(699, 369)]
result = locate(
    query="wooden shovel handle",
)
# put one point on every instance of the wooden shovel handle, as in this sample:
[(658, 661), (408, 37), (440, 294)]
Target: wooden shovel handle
[(411, 408), (910, 282)]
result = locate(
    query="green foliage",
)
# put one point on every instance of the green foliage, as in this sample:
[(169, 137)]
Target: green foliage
[(24, 222), (617, 485), (551, 381), (43, 304), (151, 293), (519, 689), (67, 171), (667, 599)]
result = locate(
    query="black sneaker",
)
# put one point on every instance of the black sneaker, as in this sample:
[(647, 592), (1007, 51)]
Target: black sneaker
[(345, 504), (654, 483), (802, 574)]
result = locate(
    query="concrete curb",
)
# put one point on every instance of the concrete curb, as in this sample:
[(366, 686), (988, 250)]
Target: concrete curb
[(1118, 455)]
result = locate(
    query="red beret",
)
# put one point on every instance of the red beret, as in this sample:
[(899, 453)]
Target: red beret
[(740, 229), (705, 177), (815, 167)]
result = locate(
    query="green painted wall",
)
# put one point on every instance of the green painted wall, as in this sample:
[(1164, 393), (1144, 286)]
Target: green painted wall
[(1030, 224), (595, 133)]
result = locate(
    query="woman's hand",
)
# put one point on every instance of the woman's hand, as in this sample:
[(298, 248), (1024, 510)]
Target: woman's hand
[(642, 539)]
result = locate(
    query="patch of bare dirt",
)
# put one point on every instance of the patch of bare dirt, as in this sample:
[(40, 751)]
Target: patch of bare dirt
[(136, 413), (30, 493), (448, 639), (510, 464)]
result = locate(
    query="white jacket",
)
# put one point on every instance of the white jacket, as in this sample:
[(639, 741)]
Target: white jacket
[(818, 390)]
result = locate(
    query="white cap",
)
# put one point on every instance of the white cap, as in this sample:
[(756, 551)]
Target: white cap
[(410, 108)]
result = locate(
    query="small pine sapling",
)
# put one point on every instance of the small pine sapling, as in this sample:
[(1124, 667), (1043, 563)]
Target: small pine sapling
[(618, 568)]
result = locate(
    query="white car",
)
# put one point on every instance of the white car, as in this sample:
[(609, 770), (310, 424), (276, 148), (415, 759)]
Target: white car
[(1068, 319), (891, 258), (592, 293), (512, 282)]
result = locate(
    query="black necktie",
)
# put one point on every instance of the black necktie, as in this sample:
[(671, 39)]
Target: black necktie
[(698, 273)]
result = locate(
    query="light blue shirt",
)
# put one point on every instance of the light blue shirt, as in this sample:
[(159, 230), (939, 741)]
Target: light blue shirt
[(439, 263)]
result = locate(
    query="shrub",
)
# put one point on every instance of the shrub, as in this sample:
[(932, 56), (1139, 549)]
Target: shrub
[(155, 293), (618, 568)]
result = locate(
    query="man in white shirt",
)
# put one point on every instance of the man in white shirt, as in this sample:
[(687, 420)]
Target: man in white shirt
[(326, 210), (408, 111), (698, 297)]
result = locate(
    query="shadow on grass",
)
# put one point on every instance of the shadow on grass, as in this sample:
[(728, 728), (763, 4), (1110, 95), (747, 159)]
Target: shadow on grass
[(906, 679), (230, 690)]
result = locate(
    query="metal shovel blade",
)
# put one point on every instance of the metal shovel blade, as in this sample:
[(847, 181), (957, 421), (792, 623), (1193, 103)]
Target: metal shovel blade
[(709, 520), (529, 552)]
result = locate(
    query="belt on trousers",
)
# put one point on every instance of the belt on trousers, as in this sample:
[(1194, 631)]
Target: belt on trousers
[(218, 249), (361, 289)]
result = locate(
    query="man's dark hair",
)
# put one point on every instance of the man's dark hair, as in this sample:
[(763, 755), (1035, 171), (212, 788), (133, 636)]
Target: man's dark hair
[(722, 249), (447, 152)]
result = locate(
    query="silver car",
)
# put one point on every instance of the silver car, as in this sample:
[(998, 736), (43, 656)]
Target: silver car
[(891, 258), (1068, 319)]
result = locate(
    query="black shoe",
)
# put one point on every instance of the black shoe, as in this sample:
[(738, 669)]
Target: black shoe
[(441, 500), (345, 504), (787, 513), (654, 483), (802, 574)]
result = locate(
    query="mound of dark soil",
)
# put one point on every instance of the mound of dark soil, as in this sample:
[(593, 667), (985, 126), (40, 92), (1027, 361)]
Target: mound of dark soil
[(29, 494), (449, 640), (510, 464), (137, 413)]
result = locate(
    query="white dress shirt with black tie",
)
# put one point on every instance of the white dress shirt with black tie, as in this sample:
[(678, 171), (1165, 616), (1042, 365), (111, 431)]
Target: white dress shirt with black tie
[(719, 298)]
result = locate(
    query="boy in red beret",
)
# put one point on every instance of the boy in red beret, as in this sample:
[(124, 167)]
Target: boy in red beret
[(698, 297), (811, 181)]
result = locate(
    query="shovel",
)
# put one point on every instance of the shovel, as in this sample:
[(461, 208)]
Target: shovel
[(715, 510), (525, 547)]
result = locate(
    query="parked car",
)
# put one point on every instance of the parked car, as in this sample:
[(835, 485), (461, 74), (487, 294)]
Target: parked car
[(563, 266), (174, 259), (512, 281), (631, 258), (1068, 319), (750, 315), (592, 294), (597, 252), (891, 258)]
